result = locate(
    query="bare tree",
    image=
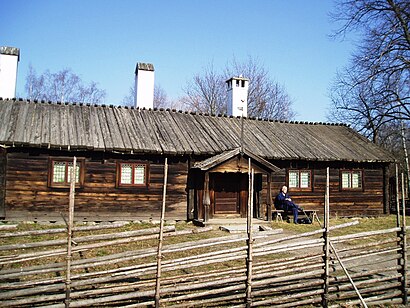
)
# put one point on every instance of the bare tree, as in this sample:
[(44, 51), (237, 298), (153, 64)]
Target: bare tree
[(206, 92), (129, 99), (160, 98), (64, 86), (354, 103), (266, 98), (373, 92)]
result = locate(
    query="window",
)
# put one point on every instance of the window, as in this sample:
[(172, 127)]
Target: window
[(132, 174), (60, 172), (300, 179), (351, 179)]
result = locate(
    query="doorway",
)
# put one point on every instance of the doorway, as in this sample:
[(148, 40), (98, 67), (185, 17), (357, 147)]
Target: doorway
[(226, 189)]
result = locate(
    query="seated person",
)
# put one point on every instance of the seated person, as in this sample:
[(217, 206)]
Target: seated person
[(284, 202)]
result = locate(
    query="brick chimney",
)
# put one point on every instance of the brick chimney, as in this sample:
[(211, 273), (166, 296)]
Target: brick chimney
[(144, 85), (9, 58), (238, 96)]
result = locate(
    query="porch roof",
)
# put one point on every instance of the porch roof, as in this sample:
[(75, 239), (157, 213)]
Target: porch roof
[(219, 159)]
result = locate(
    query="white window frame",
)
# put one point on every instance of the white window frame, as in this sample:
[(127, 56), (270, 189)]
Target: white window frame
[(351, 179), (300, 179)]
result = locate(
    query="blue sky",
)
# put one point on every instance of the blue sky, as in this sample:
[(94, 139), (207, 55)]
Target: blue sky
[(103, 40)]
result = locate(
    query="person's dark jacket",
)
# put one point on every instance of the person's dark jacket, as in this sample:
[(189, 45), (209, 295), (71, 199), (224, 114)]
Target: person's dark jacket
[(280, 201)]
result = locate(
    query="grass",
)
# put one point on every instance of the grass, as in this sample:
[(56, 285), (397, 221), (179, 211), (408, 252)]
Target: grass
[(365, 224), (102, 251)]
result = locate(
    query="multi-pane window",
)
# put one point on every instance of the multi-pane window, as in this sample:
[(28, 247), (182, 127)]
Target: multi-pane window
[(60, 172), (351, 179), (300, 179), (132, 174)]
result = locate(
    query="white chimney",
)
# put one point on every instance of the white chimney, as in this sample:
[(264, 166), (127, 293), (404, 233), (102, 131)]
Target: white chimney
[(238, 96), (144, 85), (9, 58)]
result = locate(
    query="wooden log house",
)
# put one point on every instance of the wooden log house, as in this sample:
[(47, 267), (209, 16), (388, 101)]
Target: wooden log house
[(121, 151)]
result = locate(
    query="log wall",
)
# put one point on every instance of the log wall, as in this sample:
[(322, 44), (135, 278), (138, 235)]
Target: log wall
[(26, 195), (366, 202), (29, 197)]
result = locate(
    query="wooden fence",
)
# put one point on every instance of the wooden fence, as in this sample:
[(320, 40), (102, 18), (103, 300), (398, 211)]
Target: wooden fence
[(285, 271), (209, 272), (254, 269)]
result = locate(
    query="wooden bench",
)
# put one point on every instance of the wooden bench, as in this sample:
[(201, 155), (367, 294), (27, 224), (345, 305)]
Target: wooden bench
[(278, 215), (312, 215)]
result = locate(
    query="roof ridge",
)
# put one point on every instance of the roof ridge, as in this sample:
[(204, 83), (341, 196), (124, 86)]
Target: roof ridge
[(162, 109)]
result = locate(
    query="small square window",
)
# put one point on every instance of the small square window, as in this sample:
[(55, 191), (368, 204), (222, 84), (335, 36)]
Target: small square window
[(300, 179), (139, 174), (351, 179), (126, 174), (304, 179), (132, 174), (293, 179), (60, 172)]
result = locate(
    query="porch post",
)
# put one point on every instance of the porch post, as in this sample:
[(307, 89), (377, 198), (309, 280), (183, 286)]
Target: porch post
[(206, 199), (190, 193), (269, 198), (386, 193)]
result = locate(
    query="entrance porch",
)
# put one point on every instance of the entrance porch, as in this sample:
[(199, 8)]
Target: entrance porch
[(222, 184)]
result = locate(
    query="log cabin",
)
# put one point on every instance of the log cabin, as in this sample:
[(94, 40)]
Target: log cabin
[(120, 153)]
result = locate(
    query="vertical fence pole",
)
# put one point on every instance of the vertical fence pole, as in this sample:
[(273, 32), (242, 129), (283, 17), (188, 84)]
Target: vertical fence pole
[(397, 196), (161, 231), (249, 259), (325, 297), (250, 239), (406, 156), (404, 245), (73, 176)]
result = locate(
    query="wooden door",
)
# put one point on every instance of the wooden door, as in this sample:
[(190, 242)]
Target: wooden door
[(226, 187)]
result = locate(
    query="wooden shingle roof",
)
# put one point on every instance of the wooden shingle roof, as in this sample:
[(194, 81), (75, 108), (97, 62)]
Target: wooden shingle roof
[(112, 128)]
